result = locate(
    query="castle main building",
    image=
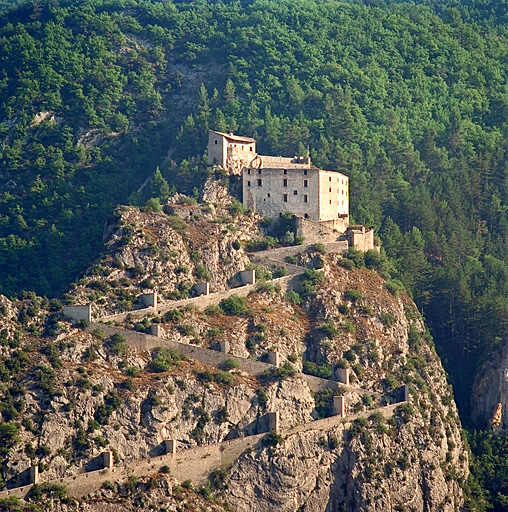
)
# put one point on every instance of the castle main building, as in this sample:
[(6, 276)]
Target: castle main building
[(276, 185)]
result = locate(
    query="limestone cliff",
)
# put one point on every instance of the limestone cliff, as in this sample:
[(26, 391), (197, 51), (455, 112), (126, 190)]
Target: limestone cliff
[(489, 398), (71, 394)]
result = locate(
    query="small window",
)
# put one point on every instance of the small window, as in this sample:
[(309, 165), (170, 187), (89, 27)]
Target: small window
[(305, 183), (248, 183), (268, 194), (248, 171), (285, 171), (285, 182), (259, 183), (259, 171), (330, 178), (250, 148), (330, 189), (304, 199), (342, 192), (306, 215), (216, 141), (243, 147), (285, 198), (330, 201), (305, 172), (295, 192), (346, 192)]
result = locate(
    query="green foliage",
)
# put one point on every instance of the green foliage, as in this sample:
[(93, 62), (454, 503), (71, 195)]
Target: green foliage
[(118, 344), (273, 439), (293, 297), (164, 359), (324, 402), (324, 370), (234, 305), (352, 295), (311, 279), (394, 286), (231, 364), (387, 319)]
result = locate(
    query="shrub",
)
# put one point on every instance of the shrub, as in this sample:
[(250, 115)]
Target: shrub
[(293, 297), (107, 485), (273, 439), (279, 272), (347, 264), (236, 245), (234, 305), (324, 402), (236, 208), (373, 259), (9, 434), (310, 280), (262, 396), (352, 294), (324, 370), (173, 315), (164, 359), (118, 344), (231, 364), (319, 247), (201, 272), (394, 286), (328, 330), (387, 319)]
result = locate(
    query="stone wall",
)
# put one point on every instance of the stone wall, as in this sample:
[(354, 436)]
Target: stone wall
[(202, 302), (146, 342), (282, 253), (313, 231), (194, 464), (77, 313)]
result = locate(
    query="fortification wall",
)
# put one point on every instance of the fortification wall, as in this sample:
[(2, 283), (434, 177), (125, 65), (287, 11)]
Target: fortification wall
[(201, 302), (327, 231), (194, 464), (281, 253), (144, 342)]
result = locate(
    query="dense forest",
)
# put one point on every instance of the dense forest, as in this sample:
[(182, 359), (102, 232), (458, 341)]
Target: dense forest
[(410, 99)]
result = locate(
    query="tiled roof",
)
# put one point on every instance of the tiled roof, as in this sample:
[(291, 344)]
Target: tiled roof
[(236, 138)]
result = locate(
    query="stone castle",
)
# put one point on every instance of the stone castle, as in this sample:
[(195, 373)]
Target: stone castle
[(273, 186)]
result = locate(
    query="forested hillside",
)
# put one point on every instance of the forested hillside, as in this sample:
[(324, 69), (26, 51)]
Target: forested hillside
[(409, 99)]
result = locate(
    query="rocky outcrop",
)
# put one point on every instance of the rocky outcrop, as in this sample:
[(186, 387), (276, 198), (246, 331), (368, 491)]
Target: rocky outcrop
[(78, 393), (489, 398)]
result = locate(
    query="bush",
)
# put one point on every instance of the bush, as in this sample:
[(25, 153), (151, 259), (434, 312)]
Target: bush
[(324, 370), (373, 259), (231, 364), (328, 330), (118, 344), (202, 273), (319, 247), (173, 315), (310, 280), (234, 305), (279, 272), (352, 294), (387, 319), (294, 298), (236, 208), (164, 359), (236, 245), (273, 439), (394, 286)]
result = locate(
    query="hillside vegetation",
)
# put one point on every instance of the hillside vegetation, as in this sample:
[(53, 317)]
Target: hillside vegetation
[(410, 99)]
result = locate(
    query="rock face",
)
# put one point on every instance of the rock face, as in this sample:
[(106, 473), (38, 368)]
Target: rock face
[(74, 394), (489, 402)]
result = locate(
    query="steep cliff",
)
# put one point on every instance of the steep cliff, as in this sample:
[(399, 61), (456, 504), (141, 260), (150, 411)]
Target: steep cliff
[(72, 394)]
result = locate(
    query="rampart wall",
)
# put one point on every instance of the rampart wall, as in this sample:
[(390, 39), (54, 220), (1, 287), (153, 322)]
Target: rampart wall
[(144, 342), (194, 464), (201, 302)]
